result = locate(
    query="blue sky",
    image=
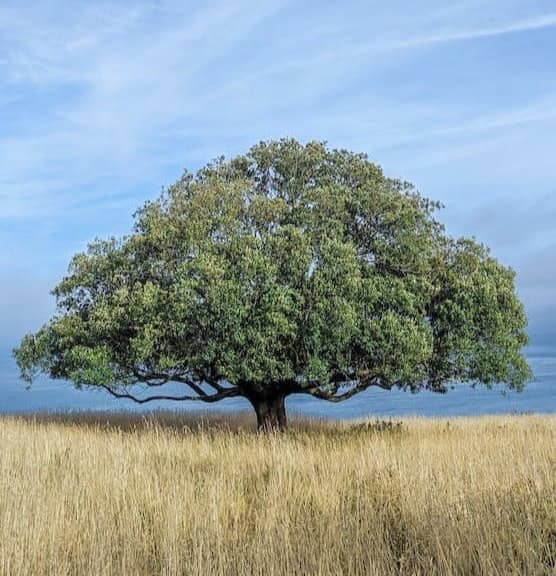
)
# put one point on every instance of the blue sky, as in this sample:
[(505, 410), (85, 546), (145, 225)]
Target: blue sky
[(102, 103)]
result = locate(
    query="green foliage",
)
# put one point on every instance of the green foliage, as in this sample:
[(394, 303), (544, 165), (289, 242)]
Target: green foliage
[(289, 269)]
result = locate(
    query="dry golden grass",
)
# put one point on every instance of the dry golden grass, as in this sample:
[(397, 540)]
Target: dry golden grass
[(99, 495)]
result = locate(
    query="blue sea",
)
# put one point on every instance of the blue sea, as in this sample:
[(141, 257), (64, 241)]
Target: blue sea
[(538, 397)]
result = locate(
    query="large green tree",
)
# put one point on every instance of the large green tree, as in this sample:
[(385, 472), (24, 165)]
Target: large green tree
[(293, 269)]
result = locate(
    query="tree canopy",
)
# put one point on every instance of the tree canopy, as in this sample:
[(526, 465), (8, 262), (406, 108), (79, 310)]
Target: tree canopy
[(290, 269)]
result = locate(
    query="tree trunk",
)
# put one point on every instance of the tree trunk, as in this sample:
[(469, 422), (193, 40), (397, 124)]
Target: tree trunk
[(271, 413)]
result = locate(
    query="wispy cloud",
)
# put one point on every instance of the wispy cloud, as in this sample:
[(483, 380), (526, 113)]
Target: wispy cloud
[(523, 25), (117, 89), (126, 94)]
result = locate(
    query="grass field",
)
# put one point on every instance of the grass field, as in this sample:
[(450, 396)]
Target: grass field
[(170, 495)]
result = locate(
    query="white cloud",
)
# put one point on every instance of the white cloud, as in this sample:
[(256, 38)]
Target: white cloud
[(512, 27), (123, 93), (122, 82)]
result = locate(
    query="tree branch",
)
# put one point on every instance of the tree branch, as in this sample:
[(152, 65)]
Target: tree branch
[(225, 393), (154, 379), (332, 396)]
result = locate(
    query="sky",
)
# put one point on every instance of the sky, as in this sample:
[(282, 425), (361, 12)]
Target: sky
[(103, 103)]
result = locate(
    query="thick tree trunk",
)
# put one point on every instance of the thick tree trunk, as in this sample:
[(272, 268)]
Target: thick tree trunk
[(271, 413)]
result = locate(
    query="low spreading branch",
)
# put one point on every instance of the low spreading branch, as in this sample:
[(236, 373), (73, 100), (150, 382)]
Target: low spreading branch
[(225, 393), (156, 379), (331, 395)]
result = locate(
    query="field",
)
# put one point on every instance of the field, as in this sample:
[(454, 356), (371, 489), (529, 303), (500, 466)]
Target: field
[(173, 495)]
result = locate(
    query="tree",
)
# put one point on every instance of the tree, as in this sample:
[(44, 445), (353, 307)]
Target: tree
[(292, 269)]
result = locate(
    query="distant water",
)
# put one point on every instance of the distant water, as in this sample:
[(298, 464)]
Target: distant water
[(539, 396)]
